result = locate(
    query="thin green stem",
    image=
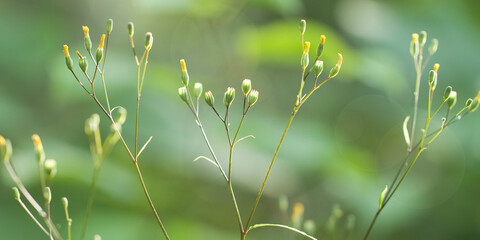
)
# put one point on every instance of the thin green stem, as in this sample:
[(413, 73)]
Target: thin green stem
[(91, 195), (418, 70), (32, 217), (102, 74)]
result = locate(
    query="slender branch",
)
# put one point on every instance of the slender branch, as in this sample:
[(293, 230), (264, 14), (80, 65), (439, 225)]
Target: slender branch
[(281, 226)]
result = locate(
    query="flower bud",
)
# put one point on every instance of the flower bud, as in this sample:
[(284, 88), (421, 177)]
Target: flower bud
[(197, 90), (318, 68), (182, 92), (432, 79), (65, 202), (422, 38), (474, 105), (303, 26), (47, 194), (87, 41), (130, 29), (305, 59), (447, 92), (16, 193), (468, 102), (109, 26), (97, 237), (414, 48), (92, 124), (39, 152), (334, 71), (50, 167), (148, 40), (252, 97), (185, 76), (432, 49), (99, 52), (283, 203), (68, 59), (246, 86), (82, 62), (229, 96), (209, 99), (5, 149), (297, 215), (382, 196), (320, 46), (309, 227)]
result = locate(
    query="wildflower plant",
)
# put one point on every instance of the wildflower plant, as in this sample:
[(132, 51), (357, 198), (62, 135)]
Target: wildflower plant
[(250, 96), (416, 146)]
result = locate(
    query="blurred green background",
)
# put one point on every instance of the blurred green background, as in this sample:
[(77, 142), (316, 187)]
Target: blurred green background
[(343, 148)]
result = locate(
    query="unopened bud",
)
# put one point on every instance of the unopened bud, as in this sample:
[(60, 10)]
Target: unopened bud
[(5, 149), (432, 49), (318, 68), (303, 26), (97, 237), (297, 215), (246, 86), (209, 99), (182, 92), (148, 40), (334, 71), (50, 168), (185, 76), (99, 52), (447, 92), (320, 46), (197, 90), (305, 59), (130, 29), (82, 62), (16, 193), (309, 227), (414, 48), (39, 152), (87, 41), (109, 26), (65, 202), (474, 105), (432, 79), (252, 97), (422, 38), (68, 59), (47, 194), (452, 99), (382, 196), (468, 102), (229, 96)]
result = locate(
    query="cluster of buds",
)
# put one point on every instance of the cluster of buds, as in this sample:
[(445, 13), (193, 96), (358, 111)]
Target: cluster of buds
[(418, 43)]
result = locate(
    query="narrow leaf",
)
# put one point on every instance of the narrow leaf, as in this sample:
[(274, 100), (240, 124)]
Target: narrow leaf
[(206, 158), (405, 131)]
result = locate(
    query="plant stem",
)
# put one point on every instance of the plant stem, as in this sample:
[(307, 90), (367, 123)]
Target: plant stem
[(281, 226), (91, 194)]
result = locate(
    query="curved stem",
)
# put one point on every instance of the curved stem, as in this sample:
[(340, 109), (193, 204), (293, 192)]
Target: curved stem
[(281, 226)]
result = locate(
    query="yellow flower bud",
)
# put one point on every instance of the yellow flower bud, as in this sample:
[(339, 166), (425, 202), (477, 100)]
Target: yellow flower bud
[(185, 76)]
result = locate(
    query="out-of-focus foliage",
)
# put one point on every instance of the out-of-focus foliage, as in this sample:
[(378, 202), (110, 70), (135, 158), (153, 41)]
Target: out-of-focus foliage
[(344, 146)]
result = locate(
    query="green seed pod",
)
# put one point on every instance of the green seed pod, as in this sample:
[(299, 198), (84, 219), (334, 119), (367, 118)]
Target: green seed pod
[(148, 40), (283, 203), (109, 26), (422, 38), (197, 90), (39, 152), (468, 102), (414, 48), (309, 227), (229, 96), (334, 71), (252, 97), (87, 41), (16, 193), (47, 194), (303, 26), (182, 92), (65, 202), (246, 86), (83, 64), (50, 167), (305, 59), (130, 29), (320, 46), (185, 77), (447, 92), (209, 99), (432, 49), (318, 68)]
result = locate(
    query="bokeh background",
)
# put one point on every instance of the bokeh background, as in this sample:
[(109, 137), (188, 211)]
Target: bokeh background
[(343, 148)]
